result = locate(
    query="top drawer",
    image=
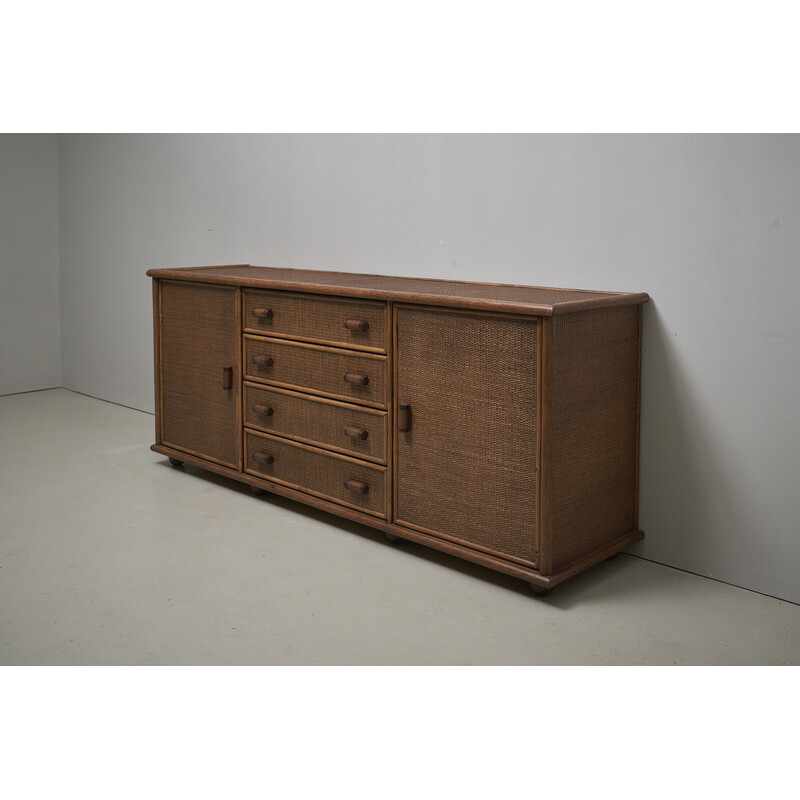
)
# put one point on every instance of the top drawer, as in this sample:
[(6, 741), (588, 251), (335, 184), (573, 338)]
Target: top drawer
[(358, 324)]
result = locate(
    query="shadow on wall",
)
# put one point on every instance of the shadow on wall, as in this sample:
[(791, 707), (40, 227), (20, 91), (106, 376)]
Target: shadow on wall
[(682, 491)]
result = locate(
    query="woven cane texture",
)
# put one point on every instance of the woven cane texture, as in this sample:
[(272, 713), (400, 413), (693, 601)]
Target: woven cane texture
[(340, 281), (316, 421), (317, 472), (467, 468), (595, 410), (318, 369), (199, 337), (316, 318)]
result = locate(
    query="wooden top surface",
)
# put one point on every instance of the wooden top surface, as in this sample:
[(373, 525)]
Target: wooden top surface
[(496, 296)]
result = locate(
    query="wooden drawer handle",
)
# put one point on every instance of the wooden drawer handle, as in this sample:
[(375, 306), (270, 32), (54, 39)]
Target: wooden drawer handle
[(356, 486), (267, 411), (263, 361), (227, 378), (264, 458), (357, 324), (356, 433), (358, 380), (262, 313), (403, 417)]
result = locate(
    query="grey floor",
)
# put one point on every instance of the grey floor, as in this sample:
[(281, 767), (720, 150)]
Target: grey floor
[(108, 555)]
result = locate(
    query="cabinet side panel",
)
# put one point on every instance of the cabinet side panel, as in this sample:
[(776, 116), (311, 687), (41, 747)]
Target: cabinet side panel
[(199, 339), (466, 468), (157, 356), (595, 430)]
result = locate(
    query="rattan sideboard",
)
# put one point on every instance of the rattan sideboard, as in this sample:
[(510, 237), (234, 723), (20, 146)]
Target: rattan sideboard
[(494, 422)]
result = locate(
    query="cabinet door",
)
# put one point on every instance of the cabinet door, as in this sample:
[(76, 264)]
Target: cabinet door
[(466, 466), (200, 340)]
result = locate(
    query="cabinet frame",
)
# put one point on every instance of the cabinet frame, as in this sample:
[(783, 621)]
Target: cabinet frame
[(530, 303)]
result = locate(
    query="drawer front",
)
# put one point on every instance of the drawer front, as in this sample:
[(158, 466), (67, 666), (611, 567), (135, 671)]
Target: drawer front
[(343, 427), (341, 374), (343, 480), (361, 324)]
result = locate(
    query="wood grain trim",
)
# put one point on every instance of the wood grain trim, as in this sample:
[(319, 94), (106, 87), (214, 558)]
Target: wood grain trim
[(309, 340), (317, 399), (500, 565), (546, 433), (638, 424), (471, 312), (238, 378), (471, 545), (596, 557), (159, 410), (449, 301), (393, 409), (156, 272), (391, 400), (573, 306), (538, 502), (325, 348)]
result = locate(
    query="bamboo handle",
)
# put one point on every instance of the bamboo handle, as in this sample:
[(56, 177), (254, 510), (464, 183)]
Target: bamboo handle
[(227, 378), (267, 411), (264, 458), (358, 380), (357, 324), (356, 433), (263, 361), (356, 486), (262, 313), (403, 417)]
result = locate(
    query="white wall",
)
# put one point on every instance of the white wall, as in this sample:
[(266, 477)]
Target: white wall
[(709, 225), (29, 279)]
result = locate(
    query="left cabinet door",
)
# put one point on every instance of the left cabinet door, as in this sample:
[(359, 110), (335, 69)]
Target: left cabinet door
[(198, 373)]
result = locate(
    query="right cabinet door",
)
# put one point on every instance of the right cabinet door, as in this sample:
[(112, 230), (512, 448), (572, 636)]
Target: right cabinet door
[(466, 387)]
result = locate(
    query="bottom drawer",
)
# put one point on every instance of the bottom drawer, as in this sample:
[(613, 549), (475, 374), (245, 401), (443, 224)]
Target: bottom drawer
[(344, 480)]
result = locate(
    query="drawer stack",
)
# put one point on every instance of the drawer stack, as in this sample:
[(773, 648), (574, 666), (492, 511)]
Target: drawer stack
[(316, 395)]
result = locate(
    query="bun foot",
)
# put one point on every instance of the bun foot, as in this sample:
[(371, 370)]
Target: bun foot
[(257, 490), (176, 462), (540, 591), (393, 537)]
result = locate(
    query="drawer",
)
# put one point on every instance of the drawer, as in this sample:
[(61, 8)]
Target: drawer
[(343, 480), (360, 324), (349, 429), (340, 374)]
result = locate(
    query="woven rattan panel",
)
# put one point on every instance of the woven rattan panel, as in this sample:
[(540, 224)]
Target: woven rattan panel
[(318, 472), (318, 421), (467, 468), (318, 369), (595, 411), (199, 337), (316, 318)]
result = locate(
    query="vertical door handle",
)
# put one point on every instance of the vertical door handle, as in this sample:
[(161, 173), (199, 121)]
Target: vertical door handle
[(227, 378), (403, 417)]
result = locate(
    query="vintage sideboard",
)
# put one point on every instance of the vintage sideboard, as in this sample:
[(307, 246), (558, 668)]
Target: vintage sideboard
[(494, 422)]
